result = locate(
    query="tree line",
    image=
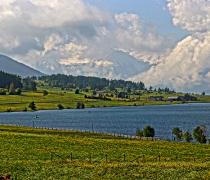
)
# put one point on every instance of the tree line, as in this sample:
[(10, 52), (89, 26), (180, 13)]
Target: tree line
[(199, 134), (14, 84), (82, 82)]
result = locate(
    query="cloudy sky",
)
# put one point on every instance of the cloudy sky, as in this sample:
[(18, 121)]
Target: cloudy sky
[(160, 42)]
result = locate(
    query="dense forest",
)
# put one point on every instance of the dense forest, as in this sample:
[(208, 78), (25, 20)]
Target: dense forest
[(13, 82), (68, 81), (7, 79)]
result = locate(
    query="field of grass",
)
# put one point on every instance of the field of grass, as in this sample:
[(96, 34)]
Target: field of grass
[(69, 100), (48, 154)]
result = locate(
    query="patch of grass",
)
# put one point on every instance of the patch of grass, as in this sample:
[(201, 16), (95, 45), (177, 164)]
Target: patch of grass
[(28, 153), (69, 99)]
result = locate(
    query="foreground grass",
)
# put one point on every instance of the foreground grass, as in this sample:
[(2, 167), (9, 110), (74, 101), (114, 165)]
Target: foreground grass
[(47, 154)]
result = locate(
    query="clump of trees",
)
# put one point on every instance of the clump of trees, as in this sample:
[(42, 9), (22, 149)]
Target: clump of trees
[(13, 91), (82, 82), (148, 131), (177, 133), (29, 84), (199, 135), (80, 105), (14, 85)]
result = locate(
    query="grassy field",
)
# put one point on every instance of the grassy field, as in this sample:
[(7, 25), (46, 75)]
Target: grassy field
[(69, 100), (47, 154)]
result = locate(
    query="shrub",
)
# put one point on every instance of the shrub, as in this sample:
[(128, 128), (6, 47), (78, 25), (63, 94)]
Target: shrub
[(9, 110), (77, 91), (32, 105), (199, 134), (60, 107), (178, 133), (25, 110), (3, 92), (149, 131), (18, 91), (139, 133), (187, 136), (45, 93), (80, 105)]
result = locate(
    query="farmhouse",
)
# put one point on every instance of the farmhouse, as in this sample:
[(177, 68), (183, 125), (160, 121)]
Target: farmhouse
[(155, 98), (186, 97), (175, 98)]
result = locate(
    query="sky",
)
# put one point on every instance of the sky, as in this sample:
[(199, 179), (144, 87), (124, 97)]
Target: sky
[(160, 42), (151, 11)]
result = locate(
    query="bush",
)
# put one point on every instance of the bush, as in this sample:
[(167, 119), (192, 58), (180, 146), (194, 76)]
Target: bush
[(178, 133), (149, 131), (80, 105), (139, 133), (60, 107), (3, 92), (18, 91), (77, 91), (32, 106), (25, 110), (187, 137), (45, 93), (199, 134), (9, 110)]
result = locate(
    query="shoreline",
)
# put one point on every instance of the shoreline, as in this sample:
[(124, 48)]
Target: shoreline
[(105, 107)]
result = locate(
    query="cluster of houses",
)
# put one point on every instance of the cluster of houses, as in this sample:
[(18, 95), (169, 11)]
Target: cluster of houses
[(186, 97)]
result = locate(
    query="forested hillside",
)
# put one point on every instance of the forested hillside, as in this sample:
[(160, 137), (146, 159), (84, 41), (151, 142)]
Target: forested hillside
[(64, 81), (7, 79)]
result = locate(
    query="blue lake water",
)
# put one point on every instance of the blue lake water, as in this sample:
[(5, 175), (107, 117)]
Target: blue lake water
[(121, 120)]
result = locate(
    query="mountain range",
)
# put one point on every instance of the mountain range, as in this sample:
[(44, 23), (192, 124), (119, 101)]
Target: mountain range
[(11, 66), (116, 65)]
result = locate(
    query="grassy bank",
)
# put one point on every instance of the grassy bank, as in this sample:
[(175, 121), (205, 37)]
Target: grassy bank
[(46, 154), (69, 100)]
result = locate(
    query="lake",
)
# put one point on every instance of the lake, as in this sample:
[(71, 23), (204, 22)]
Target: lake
[(120, 120)]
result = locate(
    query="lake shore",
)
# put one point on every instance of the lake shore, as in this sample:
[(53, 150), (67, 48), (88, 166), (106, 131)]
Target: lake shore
[(116, 120), (69, 100)]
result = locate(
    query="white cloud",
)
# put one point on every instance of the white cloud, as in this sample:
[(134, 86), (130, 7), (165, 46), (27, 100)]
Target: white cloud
[(55, 34), (187, 66), (8, 42), (191, 15)]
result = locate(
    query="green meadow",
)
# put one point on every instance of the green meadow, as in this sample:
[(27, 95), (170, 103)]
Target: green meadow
[(69, 100), (48, 154)]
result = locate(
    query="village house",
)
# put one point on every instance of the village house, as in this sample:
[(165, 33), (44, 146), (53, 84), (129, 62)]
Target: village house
[(156, 98)]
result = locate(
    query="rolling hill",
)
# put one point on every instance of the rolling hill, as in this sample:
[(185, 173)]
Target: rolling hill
[(11, 66)]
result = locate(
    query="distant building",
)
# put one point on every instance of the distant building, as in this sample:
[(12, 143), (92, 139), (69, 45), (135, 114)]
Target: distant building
[(187, 97), (156, 98), (175, 98), (123, 95)]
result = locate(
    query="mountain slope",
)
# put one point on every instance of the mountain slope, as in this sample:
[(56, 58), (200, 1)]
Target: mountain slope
[(117, 65), (11, 66)]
